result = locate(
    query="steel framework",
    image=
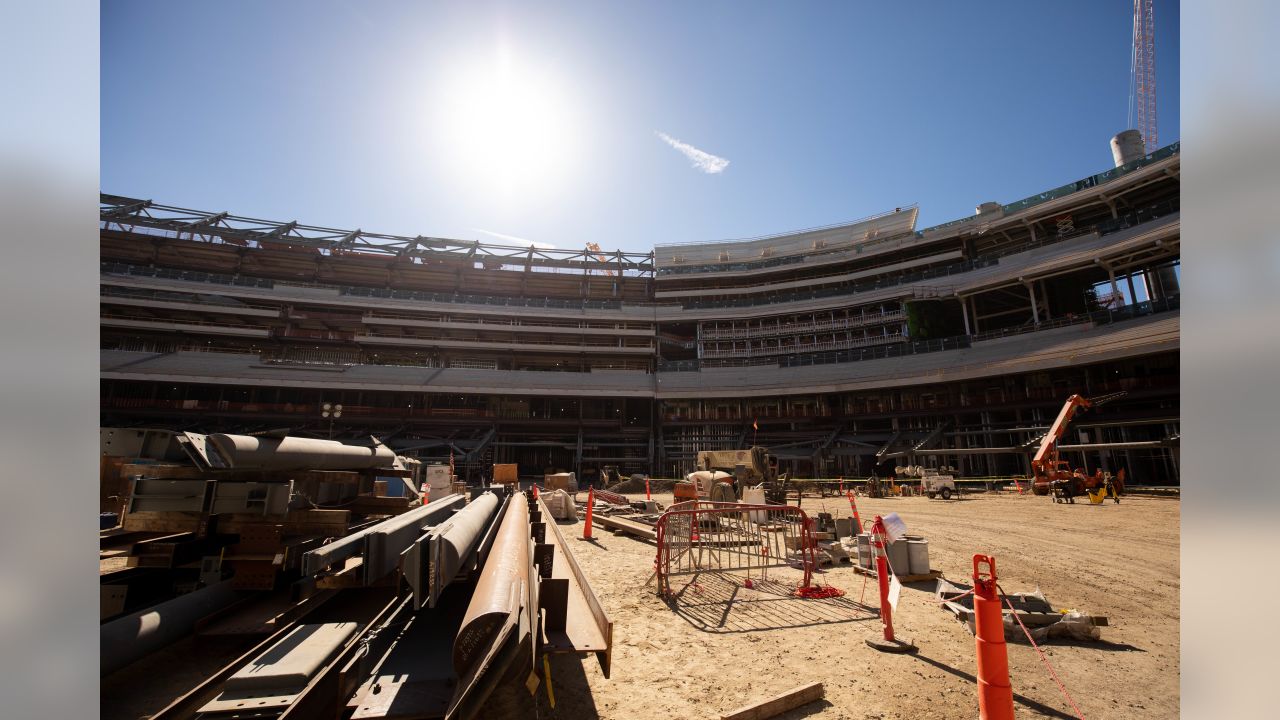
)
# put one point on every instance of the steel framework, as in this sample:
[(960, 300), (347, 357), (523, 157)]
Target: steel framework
[(148, 218)]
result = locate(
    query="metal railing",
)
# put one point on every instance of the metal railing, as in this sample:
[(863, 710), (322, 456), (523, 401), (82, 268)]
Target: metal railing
[(737, 333), (1097, 317), (355, 291), (878, 352), (804, 347), (844, 289)]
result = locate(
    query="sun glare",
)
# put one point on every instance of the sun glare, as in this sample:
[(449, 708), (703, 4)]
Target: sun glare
[(508, 127)]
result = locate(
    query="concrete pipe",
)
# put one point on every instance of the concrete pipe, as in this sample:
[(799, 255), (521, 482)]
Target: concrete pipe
[(502, 591), (295, 453)]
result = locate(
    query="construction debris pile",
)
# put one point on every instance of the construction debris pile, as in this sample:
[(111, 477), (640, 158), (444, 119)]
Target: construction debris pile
[(1024, 614)]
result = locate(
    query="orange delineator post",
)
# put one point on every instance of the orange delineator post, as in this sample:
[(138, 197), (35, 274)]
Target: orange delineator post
[(647, 496), (853, 504), (995, 693), (591, 504), (842, 486), (878, 534)]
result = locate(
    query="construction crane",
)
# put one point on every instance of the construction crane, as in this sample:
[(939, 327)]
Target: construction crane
[(594, 248), (1053, 475), (1142, 74)]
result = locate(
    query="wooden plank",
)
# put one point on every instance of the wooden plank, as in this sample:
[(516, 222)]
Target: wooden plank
[(295, 522), (629, 527), (160, 470), (162, 522), (370, 505), (348, 577), (778, 704)]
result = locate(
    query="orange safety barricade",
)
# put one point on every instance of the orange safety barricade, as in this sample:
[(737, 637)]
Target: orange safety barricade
[(701, 536)]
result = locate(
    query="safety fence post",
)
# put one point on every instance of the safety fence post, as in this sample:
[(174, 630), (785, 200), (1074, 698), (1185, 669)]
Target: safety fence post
[(889, 643), (591, 504), (882, 577), (995, 693)]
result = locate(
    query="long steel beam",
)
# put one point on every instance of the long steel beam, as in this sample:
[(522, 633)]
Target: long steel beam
[(434, 559), (498, 626), (388, 532), (295, 453), (131, 637)]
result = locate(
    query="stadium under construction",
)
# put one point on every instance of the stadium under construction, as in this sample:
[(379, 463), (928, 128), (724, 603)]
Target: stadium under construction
[(847, 350)]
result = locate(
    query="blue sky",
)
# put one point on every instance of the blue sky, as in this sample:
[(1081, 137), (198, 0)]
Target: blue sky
[(546, 121)]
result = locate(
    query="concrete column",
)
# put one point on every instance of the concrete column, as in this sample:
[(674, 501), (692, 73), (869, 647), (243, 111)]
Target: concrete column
[(1111, 275), (1035, 311), (973, 307), (964, 310)]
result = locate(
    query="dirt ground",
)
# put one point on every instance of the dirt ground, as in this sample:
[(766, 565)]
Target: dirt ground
[(723, 646)]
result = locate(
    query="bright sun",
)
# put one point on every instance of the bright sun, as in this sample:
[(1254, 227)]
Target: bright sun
[(508, 127)]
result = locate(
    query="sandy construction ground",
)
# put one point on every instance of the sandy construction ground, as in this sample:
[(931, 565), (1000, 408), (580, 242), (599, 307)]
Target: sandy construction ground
[(723, 646)]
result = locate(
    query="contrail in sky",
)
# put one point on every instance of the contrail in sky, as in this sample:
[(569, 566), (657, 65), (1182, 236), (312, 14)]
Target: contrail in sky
[(704, 161), (514, 238)]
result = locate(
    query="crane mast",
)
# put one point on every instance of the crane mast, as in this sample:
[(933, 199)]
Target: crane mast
[(1142, 82)]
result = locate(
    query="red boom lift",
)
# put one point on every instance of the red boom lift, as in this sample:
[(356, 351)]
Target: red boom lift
[(1053, 475)]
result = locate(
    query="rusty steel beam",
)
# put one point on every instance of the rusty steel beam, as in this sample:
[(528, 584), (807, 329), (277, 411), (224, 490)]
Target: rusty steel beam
[(502, 593), (583, 626), (498, 628)]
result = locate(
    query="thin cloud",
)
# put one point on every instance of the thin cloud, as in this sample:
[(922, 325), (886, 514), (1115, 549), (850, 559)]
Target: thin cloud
[(702, 160), (515, 239)]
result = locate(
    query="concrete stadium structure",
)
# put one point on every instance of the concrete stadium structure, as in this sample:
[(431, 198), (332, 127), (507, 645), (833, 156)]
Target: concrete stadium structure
[(853, 348)]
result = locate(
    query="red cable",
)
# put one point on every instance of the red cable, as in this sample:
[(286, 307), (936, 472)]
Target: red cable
[(1043, 659), (818, 592)]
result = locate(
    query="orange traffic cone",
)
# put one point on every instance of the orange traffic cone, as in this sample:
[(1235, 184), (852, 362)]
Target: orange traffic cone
[(995, 694), (853, 504)]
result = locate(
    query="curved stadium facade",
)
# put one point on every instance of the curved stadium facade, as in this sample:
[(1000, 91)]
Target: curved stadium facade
[(846, 349)]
